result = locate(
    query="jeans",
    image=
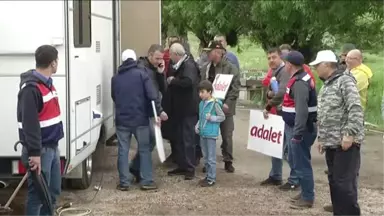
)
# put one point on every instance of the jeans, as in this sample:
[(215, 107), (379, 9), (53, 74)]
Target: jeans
[(51, 167), (276, 172), (208, 146), (343, 171), (124, 136), (135, 163), (301, 154)]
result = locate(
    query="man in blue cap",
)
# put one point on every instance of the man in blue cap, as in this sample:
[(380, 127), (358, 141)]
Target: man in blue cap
[(299, 112)]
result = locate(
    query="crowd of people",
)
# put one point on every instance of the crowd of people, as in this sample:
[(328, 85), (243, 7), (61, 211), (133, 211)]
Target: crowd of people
[(192, 119)]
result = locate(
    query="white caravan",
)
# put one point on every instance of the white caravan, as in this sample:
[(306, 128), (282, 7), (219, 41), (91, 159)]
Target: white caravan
[(87, 35)]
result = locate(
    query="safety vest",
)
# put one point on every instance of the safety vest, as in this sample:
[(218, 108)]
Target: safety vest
[(288, 108), (49, 116)]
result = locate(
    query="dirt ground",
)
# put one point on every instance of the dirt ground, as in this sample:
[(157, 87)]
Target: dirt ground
[(234, 194)]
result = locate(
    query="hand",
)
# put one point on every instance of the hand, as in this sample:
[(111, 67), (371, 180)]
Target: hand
[(197, 131), (270, 94), (208, 116), (346, 143), (265, 113), (35, 164), (169, 79), (320, 147), (161, 67), (225, 108), (295, 141), (163, 116), (158, 121)]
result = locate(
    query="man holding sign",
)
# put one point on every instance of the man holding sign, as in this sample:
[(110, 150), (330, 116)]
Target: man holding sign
[(299, 113), (220, 65)]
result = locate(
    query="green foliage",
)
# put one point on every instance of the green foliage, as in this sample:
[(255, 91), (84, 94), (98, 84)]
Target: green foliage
[(301, 23)]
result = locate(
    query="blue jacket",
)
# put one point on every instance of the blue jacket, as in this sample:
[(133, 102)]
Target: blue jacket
[(132, 92), (210, 128)]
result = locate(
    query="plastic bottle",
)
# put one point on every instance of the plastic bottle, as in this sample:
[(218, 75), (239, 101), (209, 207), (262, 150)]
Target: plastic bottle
[(274, 85)]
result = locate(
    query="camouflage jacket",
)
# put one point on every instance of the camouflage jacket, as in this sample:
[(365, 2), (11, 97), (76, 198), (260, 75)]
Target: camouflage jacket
[(339, 111)]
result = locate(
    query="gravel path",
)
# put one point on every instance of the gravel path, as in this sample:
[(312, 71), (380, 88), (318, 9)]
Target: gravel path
[(234, 194)]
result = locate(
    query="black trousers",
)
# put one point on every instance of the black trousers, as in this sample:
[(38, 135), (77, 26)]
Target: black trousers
[(185, 144), (343, 172)]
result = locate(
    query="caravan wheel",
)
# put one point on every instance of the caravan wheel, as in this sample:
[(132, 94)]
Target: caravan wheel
[(87, 173)]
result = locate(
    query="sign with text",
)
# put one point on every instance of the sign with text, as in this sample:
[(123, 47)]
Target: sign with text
[(221, 85), (266, 135)]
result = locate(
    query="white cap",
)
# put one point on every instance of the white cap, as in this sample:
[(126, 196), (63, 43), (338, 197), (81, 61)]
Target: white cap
[(324, 56), (128, 54)]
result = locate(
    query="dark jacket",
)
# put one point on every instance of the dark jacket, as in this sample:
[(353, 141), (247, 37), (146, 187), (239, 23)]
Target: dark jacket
[(132, 93), (183, 91), (158, 79), (225, 67)]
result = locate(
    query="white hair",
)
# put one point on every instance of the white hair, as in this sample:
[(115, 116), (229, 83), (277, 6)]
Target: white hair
[(177, 49)]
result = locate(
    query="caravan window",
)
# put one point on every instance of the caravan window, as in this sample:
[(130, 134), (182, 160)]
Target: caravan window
[(82, 23)]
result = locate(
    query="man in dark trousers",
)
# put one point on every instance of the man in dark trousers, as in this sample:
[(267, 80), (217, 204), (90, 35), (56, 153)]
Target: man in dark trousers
[(132, 93), (340, 132), (153, 65), (184, 101), (219, 64), (40, 127)]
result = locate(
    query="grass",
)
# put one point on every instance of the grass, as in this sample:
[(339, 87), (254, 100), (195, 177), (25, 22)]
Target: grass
[(252, 56)]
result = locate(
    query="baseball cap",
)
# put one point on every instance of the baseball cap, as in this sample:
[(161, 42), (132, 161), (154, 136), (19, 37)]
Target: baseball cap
[(294, 57), (214, 45), (324, 56), (128, 54)]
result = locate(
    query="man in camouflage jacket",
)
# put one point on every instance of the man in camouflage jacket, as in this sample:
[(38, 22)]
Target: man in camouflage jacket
[(340, 132)]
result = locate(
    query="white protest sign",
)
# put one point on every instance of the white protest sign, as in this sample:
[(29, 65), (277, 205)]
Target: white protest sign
[(221, 85), (158, 136), (266, 135)]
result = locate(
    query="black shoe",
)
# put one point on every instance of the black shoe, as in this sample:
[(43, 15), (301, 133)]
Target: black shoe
[(176, 172), (206, 183), (271, 181), (204, 169), (122, 188), (148, 187), (288, 186), (229, 167), (189, 175), (136, 174)]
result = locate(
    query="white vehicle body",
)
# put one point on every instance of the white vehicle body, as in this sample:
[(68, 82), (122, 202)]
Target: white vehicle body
[(87, 37)]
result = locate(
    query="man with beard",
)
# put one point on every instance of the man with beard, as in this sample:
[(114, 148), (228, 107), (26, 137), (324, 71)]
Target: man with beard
[(219, 64), (183, 93)]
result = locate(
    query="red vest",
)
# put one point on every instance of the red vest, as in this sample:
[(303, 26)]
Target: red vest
[(50, 114), (288, 107)]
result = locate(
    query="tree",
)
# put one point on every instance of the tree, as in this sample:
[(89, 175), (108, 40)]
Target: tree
[(301, 23)]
